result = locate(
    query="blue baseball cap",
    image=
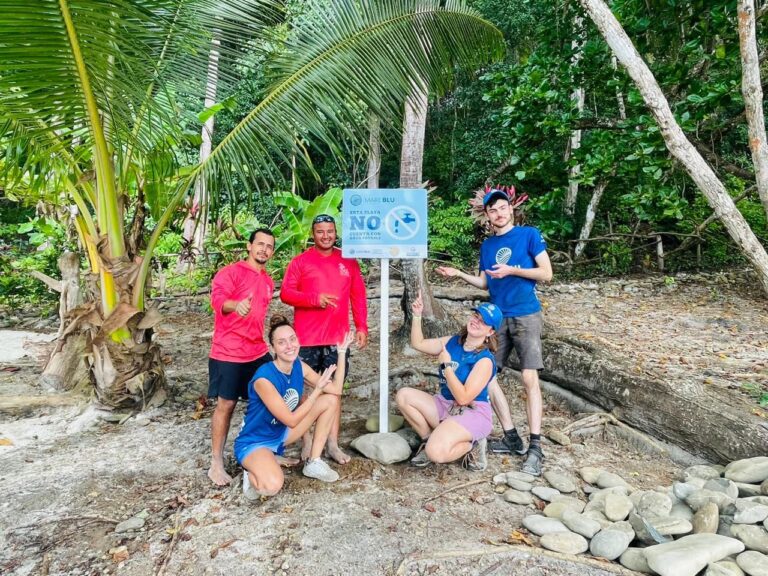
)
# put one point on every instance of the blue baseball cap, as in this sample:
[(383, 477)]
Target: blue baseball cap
[(490, 313), (494, 194)]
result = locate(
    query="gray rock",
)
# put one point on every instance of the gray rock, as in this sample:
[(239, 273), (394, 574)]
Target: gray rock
[(580, 524), (682, 490), (610, 543), (689, 554), (746, 490), (541, 525), (706, 520), (609, 480), (753, 563), (395, 422), (727, 487), (556, 508), (135, 523), (764, 487), (617, 507), (409, 435), (559, 437), (653, 504), (519, 485), (545, 492), (700, 471), (560, 481), (749, 512), (754, 537), (750, 470), (516, 497), (662, 527), (682, 510), (724, 568), (761, 499), (521, 477), (564, 542), (599, 495), (700, 498), (385, 448), (500, 478), (724, 525), (590, 474), (598, 517), (634, 559)]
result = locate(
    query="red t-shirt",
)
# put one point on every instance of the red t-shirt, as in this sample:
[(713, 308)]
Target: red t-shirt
[(311, 274), (238, 339)]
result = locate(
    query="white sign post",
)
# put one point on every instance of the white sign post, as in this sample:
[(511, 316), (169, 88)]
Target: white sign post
[(384, 224)]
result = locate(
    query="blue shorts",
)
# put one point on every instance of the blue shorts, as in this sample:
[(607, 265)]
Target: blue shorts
[(244, 448)]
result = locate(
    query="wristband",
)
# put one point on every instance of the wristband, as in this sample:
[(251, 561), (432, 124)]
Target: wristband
[(416, 317)]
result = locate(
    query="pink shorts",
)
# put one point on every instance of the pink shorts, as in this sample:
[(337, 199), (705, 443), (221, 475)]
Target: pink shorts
[(477, 418)]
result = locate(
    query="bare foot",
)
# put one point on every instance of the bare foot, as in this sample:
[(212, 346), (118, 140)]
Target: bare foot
[(218, 475), (333, 451), (285, 461)]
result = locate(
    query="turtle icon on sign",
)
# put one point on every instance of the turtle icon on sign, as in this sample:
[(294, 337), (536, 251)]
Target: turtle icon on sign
[(402, 223)]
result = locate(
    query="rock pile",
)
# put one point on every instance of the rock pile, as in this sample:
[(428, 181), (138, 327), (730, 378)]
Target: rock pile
[(715, 517)]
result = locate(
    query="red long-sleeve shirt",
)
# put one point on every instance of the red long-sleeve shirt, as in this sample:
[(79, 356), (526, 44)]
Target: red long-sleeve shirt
[(238, 339), (311, 274)]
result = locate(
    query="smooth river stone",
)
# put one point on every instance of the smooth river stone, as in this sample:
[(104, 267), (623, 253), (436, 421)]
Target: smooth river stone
[(753, 563), (610, 543), (590, 474), (598, 517), (560, 481), (724, 568), (749, 512), (689, 554), (700, 471), (564, 542), (541, 525), (653, 504), (516, 497), (682, 510), (580, 524), (764, 487), (617, 507), (521, 476), (727, 487), (519, 485), (545, 493), (634, 559), (754, 537), (746, 490), (500, 479), (749, 470), (555, 509), (700, 498), (707, 519), (609, 480)]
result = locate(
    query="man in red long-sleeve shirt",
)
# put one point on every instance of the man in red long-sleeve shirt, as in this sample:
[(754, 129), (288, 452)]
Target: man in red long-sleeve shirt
[(321, 285), (240, 296)]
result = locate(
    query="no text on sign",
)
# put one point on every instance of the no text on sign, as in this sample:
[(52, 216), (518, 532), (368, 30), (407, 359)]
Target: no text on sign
[(384, 223)]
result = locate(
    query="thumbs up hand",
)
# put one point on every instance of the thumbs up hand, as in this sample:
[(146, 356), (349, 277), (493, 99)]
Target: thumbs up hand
[(244, 306)]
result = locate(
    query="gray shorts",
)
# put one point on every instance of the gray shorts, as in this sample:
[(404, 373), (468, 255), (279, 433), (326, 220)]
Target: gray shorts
[(523, 333)]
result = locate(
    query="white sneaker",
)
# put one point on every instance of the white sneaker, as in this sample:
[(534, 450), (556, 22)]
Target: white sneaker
[(249, 491), (319, 470)]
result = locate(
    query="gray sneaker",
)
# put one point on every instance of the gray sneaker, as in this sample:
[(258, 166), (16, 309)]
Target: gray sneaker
[(507, 445), (476, 459), (319, 470), (421, 460), (249, 491), (533, 462)]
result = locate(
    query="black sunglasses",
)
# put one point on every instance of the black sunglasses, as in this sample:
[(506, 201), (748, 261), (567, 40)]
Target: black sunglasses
[(323, 218)]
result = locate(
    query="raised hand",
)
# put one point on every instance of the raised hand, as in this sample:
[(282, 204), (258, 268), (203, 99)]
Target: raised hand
[(447, 271), (325, 377), (417, 306), (243, 307), (345, 342)]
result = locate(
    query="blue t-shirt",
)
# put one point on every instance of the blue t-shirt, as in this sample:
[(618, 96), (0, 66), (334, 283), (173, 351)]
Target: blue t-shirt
[(462, 363), (259, 424), (519, 247)]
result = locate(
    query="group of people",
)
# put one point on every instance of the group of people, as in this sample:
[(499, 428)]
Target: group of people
[(313, 353)]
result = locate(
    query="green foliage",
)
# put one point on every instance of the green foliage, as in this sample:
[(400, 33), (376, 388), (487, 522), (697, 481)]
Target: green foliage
[(453, 234), (295, 230)]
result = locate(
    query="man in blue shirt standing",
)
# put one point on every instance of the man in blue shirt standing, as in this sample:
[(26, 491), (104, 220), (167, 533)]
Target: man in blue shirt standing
[(511, 262)]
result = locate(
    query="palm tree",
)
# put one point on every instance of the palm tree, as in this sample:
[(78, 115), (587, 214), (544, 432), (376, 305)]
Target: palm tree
[(88, 104)]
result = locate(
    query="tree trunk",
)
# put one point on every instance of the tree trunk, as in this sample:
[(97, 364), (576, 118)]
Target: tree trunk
[(589, 219), (577, 97), (414, 276), (753, 97), (196, 221), (374, 153), (678, 145)]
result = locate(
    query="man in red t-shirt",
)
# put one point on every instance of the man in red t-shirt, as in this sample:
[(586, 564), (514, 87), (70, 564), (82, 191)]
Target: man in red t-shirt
[(321, 285), (240, 296)]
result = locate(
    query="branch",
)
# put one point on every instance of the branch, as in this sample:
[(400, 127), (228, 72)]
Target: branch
[(714, 159), (54, 285)]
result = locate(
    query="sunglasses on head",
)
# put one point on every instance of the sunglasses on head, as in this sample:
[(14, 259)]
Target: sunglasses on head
[(323, 218)]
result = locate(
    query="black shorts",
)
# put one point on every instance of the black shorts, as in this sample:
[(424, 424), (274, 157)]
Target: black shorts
[(321, 357), (229, 380)]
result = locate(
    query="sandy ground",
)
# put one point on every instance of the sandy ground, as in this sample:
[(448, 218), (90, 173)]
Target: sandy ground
[(67, 479)]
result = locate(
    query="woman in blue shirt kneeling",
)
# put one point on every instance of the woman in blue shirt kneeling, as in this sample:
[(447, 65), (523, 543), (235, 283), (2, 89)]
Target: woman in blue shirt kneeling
[(455, 422), (276, 416)]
